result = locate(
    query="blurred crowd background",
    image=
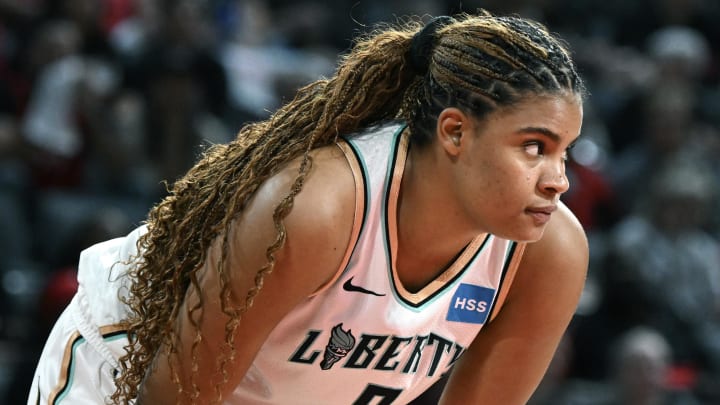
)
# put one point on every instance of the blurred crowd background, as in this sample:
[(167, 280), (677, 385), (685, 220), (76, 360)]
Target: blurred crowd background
[(103, 101)]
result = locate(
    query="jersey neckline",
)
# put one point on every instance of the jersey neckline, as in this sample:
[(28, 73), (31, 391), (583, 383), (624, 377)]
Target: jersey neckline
[(453, 271)]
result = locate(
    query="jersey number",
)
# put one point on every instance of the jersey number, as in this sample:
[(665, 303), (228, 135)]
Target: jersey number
[(386, 395)]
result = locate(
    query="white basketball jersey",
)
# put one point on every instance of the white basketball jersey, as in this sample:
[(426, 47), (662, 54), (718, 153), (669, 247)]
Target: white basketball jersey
[(364, 338)]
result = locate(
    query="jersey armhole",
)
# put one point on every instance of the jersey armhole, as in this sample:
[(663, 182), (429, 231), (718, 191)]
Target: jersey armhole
[(513, 264), (358, 216)]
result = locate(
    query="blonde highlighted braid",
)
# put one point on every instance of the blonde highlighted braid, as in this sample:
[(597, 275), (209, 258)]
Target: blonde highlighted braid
[(478, 63)]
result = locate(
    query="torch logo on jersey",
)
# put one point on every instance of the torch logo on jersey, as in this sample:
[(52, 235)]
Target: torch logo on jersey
[(339, 345)]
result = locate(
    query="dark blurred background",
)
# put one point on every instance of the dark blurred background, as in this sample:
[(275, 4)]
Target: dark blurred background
[(103, 100)]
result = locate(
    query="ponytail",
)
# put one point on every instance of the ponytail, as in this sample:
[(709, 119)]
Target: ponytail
[(369, 86)]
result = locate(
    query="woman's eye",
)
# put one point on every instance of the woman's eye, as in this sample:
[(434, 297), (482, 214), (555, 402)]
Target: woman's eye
[(534, 148)]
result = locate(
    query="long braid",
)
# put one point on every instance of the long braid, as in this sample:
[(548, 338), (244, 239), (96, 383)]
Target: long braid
[(475, 62), (203, 204)]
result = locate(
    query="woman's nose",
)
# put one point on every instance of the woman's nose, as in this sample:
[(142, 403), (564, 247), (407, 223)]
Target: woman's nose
[(554, 180)]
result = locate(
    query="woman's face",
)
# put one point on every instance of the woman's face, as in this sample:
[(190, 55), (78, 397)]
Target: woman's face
[(509, 171)]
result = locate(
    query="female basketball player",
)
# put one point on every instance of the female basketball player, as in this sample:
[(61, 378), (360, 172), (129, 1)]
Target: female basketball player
[(394, 223)]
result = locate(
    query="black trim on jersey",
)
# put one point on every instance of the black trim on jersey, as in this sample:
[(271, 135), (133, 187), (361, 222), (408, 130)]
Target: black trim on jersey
[(506, 266), (113, 334), (389, 178)]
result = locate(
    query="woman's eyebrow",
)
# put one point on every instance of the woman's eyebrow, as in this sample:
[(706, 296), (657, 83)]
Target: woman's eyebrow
[(546, 132), (541, 130)]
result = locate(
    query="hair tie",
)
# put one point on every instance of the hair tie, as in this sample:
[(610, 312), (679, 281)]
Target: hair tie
[(423, 41)]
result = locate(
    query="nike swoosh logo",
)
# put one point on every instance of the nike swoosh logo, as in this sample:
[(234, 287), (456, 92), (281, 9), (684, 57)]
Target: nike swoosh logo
[(348, 286)]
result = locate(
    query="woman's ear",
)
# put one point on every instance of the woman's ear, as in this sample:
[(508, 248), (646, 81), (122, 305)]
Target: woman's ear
[(451, 124)]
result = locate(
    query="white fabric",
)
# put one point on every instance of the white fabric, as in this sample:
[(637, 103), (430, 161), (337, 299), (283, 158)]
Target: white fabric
[(364, 339), (403, 342)]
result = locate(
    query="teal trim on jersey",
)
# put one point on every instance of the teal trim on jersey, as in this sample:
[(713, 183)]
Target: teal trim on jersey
[(509, 253), (367, 187), (71, 365), (71, 371)]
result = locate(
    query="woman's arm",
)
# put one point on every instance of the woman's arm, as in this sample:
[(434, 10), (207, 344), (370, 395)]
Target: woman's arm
[(507, 360), (318, 232)]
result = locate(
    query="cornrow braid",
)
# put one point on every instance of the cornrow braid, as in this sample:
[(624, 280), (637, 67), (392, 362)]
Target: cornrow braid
[(479, 63), (482, 63)]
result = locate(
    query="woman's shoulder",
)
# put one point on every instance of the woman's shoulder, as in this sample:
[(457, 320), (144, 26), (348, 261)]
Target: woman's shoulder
[(329, 186), (315, 224), (564, 233), (327, 170), (326, 203), (562, 254)]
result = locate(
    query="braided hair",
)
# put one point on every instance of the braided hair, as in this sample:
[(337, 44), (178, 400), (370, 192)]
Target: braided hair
[(409, 71), (483, 63)]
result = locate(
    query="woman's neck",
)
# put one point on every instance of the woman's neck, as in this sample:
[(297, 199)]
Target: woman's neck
[(430, 232)]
